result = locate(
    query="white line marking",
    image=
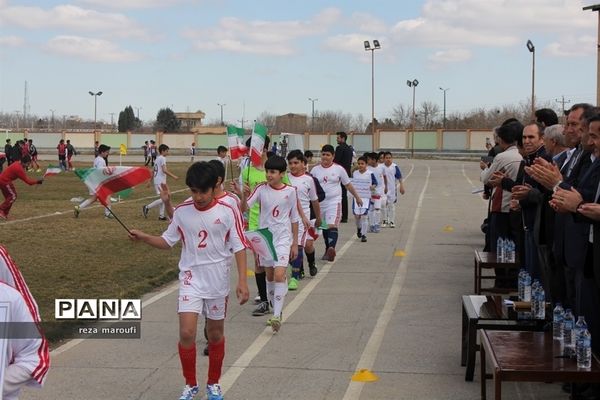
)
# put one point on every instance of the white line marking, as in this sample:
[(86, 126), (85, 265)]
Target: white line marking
[(367, 359)]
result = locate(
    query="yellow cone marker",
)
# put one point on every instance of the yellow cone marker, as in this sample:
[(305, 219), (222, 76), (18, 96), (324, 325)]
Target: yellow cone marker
[(249, 272), (400, 253), (448, 228), (364, 375)]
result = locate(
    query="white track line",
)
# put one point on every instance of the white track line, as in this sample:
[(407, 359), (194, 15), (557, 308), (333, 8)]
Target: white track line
[(367, 359)]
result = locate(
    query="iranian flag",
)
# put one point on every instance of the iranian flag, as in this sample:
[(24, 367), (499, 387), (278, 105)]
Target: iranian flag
[(52, 170), (257, 144), (235, 141), (109, 180), (261, 242)]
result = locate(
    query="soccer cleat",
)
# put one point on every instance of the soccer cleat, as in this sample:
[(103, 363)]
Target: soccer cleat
[(293, 284), (205, 352), (261, 309), (376, 228), (302, 273), (392, 225), (384, 224), (363, 239), (275, 323), (330, 254), (108, 216), (189, 392), (257, 300), (76, 211), (145, 210), (162, 218), (358, 233), (324, 258), (312, 269), (213, 392)]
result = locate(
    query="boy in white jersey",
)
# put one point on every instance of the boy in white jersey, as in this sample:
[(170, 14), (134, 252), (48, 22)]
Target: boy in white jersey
[(307, 195), (160, 177), (377, 198), (99, 162), (210, 231), (393, 175), (279, 213), (330, 176), (364, 183)]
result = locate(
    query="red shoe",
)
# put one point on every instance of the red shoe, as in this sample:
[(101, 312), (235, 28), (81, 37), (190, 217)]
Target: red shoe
[(330, 254)]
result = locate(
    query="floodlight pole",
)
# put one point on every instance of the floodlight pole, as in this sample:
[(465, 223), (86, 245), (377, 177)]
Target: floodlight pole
[(596, 7)]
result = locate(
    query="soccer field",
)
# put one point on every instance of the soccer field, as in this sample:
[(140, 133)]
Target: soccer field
[(88, 257)]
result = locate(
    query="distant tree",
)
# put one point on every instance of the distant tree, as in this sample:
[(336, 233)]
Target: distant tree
[(267, 119), (402, 116), (127, 120), (166, 121), (358, 123), (427, 114)]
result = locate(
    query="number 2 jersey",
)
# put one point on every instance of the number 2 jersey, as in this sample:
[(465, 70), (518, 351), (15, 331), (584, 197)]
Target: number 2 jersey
[(208, 236)]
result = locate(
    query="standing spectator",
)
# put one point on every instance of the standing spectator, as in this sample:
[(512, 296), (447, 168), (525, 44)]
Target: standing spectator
[(62, 154), (15, 171), (222, 154), (284, 146), (16, 152), (8, 151), (274, 148), (145, 148), (546, 117), (343, 157), (33, 153), (153, 152), (70, 153), (192, 152), (160, 177), (96, 149)]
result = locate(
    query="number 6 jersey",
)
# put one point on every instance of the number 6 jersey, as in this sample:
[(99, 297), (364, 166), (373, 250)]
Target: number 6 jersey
[(278, 209)]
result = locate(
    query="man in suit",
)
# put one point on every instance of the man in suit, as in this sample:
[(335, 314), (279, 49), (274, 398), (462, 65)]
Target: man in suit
[(343, 157)]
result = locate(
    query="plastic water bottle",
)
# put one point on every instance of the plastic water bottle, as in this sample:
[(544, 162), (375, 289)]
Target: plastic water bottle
[(521, 280), (527, 287), (500, 250), (534, 300), (540, 312), (584, 350), (568, 327), (510, 251), (580, 326), (557, 321)]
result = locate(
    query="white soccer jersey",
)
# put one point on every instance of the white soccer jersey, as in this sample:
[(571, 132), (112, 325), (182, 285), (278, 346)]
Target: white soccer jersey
[(159, 174), (393, 174), (99, 162), (228, 198), (379, 172), (306, 191), (362, 183), (209, 236), (330, 179), (24, 353), (278, 209)]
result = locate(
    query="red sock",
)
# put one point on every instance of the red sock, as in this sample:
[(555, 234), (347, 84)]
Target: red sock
[(216, 353), (188, 364)]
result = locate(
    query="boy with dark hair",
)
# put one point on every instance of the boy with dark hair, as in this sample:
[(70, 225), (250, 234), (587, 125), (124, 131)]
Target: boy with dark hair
[(33, 153), (99, 162), (62, 154), (222, 153), (278, 204), (70, 153), (146, 149), (393, 175), (378, 195), (160, 177), (13, 172), (153, 154), (307, 196), (211, 231), (364, 183), (330, 176)]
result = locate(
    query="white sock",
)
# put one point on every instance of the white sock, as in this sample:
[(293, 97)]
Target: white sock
[(155, 203), (86, 203), (358, 221), (270, 291), (376, 217), (364, 224), (391, 212), (371, 217), (279, 298)]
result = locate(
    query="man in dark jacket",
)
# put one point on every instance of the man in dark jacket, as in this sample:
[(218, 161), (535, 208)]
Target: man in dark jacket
[(8, 152), (343, 157)]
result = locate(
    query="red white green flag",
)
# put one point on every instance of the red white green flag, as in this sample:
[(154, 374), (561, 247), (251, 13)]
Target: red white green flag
[(235, 141), (261, 242), (52, 170), (109, 180), (257, 144)]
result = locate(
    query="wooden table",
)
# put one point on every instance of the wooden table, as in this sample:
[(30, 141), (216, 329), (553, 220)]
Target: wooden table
[(487, 260), (529, 357), (490, 312)]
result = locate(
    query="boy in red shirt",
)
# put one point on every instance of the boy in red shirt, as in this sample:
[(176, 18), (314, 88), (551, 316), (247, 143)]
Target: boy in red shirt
[(14, 171)]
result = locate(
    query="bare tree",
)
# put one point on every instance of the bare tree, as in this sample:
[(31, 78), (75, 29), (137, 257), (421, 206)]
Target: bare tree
[(402, 116), (427, 111)]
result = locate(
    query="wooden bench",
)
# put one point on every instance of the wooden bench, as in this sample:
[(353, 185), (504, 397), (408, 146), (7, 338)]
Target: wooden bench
[(487, 260), (529, 357)]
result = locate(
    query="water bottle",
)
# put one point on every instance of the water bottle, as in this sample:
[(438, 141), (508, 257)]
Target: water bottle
[(500, 250), (510, 252), (557, 321), (568, 326), (527, 287), (579, 327), (540, 304), (584, 350), (521, 281), (534, 299)]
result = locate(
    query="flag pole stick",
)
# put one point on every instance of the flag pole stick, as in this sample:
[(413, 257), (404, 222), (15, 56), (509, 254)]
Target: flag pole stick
[(118, 220)]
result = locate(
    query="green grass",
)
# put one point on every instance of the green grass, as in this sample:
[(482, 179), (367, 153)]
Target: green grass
[(87, 257)]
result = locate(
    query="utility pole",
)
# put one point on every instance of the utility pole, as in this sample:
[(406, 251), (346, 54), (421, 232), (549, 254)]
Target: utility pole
[(222, 105), (312, 121), (18, 117), (562, 101), (52, 111), (112, 123)]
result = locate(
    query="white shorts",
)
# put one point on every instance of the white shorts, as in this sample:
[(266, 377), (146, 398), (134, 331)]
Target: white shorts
[(331, 213), (357, 210), (282, 249), (157, 188), (215, 309)]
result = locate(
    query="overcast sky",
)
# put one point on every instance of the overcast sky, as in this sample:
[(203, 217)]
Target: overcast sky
[(273, 55)]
